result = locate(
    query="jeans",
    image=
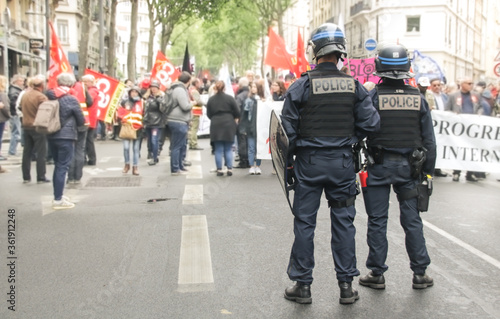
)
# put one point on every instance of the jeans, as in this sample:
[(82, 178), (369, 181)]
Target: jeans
[(226, 148), (154, 134), (15, 134), (178, 137), (135, 151), (34, 142), (62, 152), (252, 151), (76, 167)]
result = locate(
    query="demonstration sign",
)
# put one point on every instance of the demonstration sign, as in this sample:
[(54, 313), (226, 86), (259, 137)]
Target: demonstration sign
[(467, 141)]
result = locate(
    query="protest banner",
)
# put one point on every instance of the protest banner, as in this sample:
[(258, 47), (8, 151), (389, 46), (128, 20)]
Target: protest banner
[(467, 141), (362, 70)]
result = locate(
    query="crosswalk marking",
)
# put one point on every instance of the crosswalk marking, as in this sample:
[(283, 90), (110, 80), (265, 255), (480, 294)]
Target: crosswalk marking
[(194, 156), (195, 172), (195, 263), (193, 194)]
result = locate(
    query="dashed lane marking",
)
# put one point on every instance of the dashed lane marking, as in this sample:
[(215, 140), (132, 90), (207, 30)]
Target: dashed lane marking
[(195, 172), (193, 195), (195, 262)]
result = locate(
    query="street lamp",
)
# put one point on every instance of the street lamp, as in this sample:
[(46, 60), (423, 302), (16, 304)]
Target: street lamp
[(47, 32)]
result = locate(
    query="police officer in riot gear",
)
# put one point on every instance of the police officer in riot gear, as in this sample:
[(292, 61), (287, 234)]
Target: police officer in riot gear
[(324, 113), (404, 151)]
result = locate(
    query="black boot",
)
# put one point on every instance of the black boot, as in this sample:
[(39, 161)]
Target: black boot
[(422, 281), (348, 295), (372, 281), (300, 293)]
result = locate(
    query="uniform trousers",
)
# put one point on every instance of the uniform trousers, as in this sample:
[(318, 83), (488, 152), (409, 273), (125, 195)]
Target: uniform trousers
[(331, 171), (396, 171)]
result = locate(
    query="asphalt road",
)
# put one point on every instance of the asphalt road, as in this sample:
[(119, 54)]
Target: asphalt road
[(116, 255)]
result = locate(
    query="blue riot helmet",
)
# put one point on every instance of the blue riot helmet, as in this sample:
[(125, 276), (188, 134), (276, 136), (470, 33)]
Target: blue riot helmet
[(326, 39), (392, 62)]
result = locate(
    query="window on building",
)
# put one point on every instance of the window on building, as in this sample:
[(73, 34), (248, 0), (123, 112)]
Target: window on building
[(62, 31), (413, 24), (144, 61)]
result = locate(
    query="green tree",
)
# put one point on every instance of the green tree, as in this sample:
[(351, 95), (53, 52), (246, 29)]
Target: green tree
[(230, 38)]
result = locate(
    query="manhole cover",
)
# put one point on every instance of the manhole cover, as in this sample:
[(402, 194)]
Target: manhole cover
[(114, 182)]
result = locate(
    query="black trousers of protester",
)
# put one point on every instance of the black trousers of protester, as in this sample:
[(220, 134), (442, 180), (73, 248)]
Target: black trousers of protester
[(243, 150), (90, 147), (34, 142)]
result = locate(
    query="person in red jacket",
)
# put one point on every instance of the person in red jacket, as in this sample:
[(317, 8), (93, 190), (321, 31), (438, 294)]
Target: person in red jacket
[(131, 112), (89, 83)]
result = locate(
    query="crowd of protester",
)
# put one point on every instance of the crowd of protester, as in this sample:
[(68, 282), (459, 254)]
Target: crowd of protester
[(233, 130)]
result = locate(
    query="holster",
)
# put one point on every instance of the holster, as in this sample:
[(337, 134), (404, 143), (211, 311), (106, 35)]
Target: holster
[(377, 153), (422, 192)]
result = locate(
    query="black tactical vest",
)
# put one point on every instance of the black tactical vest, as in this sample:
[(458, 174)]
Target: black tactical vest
[(329, 108), (399, 109)]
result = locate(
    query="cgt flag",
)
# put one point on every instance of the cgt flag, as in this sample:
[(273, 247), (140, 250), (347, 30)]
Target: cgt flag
[(163, 71), (302, 64), (110, 92), (277, 55), (58, 60)]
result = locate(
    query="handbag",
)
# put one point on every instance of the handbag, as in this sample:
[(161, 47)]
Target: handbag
[(127, 132)]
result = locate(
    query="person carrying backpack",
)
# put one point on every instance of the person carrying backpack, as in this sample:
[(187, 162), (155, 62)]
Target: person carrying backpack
[(62, 142), (34, 142)]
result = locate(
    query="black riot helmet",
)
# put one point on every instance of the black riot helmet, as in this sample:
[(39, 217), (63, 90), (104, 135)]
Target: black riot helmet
[(392, 62), (326, 39)]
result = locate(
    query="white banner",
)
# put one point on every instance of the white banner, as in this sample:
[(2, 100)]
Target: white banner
[(263, 120), (467, 141)]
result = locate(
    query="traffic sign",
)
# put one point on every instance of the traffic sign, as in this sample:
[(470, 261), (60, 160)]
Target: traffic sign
[(497, 58), (370, 44), (496, 69)]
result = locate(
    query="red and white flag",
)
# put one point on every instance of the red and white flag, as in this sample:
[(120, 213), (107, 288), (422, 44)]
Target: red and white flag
[(110, 92), (58, 60), (163, 71)]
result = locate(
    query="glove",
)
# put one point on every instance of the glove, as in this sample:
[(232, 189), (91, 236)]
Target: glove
[(290, 175)]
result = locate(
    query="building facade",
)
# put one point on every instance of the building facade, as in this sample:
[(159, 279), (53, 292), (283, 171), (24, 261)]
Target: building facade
[(455, 33), (123, 17), (22, 21)]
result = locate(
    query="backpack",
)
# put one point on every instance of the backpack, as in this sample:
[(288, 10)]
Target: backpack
[(169, 103), (47, 117)]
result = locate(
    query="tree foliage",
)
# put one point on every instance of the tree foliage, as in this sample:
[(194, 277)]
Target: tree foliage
[(171, 13)]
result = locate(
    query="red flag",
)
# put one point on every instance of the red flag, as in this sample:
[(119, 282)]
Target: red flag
[(302, 64), (411, 81), (58, 60), (163, 71), (277, 55), (110, 92)]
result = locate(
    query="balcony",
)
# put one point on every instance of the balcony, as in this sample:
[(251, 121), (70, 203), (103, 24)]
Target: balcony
[(360, 6)]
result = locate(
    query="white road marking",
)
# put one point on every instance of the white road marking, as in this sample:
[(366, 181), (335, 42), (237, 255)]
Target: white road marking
[(195, 172), (195, 262), (194, 156), (462, 244), (193, 194)]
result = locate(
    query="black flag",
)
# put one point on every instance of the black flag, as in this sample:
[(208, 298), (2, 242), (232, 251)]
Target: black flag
[(186, 64)]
